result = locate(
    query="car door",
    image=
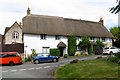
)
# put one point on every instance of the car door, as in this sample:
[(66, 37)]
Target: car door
[(114, 49), (5, 59)]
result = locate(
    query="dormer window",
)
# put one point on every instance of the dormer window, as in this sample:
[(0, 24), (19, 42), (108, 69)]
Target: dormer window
[(15, 35)]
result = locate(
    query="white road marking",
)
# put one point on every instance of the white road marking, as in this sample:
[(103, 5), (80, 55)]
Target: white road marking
[(13, 70), (4, 71), (53, 66), (22, 69), (31, 68), (39, 68), (47, 67), (56, 65), (62, 64)]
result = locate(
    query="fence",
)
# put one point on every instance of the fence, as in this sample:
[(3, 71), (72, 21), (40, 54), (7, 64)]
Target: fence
[(18, 47)]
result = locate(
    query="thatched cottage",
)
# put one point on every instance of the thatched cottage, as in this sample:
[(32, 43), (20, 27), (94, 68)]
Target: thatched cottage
[(41, 32)]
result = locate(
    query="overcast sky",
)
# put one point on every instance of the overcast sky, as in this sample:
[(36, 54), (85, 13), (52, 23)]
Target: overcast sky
[(15, 10)]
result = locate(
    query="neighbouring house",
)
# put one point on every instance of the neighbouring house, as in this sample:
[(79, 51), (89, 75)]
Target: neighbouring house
[(12, 40), (13, 34), (41, 32)]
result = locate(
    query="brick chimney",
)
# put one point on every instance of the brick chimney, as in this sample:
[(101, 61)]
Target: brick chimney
[(28, 11), (101, 21)]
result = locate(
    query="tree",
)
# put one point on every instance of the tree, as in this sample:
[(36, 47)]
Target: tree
[(116, 33), (100, 43), (71, 45), (85, 44), (116, 9)]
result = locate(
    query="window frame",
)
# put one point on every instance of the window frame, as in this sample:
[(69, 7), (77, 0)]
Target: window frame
[(15, 35), (43, 36), (57, 37)]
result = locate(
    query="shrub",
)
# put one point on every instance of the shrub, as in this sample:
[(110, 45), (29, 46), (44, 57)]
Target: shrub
[(29, 58), (113, 59), (55, 52), (118, 55), (33, 53), (71, 45), (90, 49), (65, 55), (74, 61)]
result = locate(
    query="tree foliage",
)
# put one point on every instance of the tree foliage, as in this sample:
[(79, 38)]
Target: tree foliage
[(84, 42), (116, 9), (71, 45), (116, 33), (100, 43), (86, 45)]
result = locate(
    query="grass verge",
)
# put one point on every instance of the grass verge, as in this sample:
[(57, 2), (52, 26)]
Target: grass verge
[(99, 68)]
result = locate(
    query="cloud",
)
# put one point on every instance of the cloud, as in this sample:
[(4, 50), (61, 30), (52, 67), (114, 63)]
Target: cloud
[(15, 10)]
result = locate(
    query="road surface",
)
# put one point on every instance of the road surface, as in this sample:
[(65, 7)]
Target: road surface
[(42, 70)]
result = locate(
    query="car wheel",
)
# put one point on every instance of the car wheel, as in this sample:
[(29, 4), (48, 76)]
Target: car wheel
[(36, 61), (55, 60), (11, 63), (111, 53)]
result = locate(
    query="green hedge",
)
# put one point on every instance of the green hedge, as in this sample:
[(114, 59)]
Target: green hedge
[(55, 52), (115, 58), (71, 45)]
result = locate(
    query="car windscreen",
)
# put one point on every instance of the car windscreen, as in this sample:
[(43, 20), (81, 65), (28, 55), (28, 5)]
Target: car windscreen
[(42, 54), (3, 55), (106, 48)]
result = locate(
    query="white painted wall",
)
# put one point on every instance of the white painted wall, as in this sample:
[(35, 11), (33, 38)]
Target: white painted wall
[(107, 42), (35, 42)]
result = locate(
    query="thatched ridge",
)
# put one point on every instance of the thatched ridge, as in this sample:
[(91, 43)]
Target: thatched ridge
[(52, 25)]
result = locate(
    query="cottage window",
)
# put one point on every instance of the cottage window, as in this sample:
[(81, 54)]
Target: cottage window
[(92, 38), (45, 50), (77, 37), (15, 35), (103, 38), (57, 37), (43, 36)]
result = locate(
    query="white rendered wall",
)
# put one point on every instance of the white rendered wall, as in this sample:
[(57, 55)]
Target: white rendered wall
[(35, 42)]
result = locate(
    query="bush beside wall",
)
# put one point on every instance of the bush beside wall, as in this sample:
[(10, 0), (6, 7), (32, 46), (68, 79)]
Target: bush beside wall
[(55, 52)]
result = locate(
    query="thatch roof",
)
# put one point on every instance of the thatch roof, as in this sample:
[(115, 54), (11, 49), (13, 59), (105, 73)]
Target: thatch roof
[(52, 25)]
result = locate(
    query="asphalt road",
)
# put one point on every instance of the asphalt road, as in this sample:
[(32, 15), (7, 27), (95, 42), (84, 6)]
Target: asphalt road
[(42, 70)]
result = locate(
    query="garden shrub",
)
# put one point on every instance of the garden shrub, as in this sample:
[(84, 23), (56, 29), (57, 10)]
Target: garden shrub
[(74, 61), (71, 45), (55, 52), (118, 55), (115, 58), (65, 55), (90, 49)]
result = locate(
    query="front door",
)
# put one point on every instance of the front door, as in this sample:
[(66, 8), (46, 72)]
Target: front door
[(61, 50)]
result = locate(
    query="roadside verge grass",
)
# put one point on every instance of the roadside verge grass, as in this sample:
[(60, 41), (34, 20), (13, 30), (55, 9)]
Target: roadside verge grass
[(99, 68)]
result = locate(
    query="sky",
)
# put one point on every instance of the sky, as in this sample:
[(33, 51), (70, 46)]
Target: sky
[(91, 10)]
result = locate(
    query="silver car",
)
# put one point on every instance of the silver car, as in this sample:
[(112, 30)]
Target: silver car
[(110, 50)]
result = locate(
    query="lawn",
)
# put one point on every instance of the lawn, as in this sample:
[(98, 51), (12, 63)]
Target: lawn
[(99, 68)]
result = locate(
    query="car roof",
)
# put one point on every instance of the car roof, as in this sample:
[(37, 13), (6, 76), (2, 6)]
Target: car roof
[(9, 52)]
